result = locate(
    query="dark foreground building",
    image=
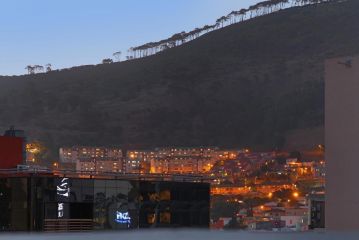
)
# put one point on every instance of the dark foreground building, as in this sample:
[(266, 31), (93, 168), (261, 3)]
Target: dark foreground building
[(53, 203), (317, 210), (341, 143)]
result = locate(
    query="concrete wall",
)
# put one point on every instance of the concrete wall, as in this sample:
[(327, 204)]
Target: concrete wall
[(342, 143)]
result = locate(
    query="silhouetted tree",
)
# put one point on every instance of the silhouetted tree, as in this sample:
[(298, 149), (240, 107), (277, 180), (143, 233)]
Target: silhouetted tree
[(107, 61), (222, 20), (38, 68), (117, 55), (259, 9), (30, 69), (48, 67)]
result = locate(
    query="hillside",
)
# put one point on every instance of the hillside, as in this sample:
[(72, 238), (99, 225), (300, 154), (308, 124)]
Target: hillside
[(250, 84)]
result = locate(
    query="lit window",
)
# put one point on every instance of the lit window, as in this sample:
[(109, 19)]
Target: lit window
[(165, 217)]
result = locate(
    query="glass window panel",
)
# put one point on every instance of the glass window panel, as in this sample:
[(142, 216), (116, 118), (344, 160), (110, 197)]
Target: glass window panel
[(151, 218), (165, 195), (111, 183), (165, 217), (19, 209)]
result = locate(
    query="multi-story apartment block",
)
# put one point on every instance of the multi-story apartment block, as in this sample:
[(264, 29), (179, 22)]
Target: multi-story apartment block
[(99, 166), (98, 159), (183, 160), (72, 154), (138, 161)]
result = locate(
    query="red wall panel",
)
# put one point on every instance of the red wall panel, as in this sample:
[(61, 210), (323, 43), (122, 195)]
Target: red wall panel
[(11, 150)]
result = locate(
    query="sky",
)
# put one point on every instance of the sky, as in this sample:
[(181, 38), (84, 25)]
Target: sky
[(70, 33)]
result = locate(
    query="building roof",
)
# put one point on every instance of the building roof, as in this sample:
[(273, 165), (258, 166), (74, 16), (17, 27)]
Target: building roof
[(9, 173)]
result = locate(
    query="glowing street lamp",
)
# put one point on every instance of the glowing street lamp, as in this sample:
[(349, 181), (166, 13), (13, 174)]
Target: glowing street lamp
[(55, 164)]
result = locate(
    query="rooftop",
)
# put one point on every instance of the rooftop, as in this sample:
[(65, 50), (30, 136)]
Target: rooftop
[(100, 175)]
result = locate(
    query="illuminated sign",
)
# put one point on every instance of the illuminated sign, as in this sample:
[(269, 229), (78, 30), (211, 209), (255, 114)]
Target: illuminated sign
[(63, 189), (60, 210), (123, 217)]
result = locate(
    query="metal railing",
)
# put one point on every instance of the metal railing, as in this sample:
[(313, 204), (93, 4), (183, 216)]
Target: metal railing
[(104, 175), (68, 225)]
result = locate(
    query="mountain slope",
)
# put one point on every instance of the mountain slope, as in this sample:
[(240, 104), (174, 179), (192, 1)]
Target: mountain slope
[(249, 84)]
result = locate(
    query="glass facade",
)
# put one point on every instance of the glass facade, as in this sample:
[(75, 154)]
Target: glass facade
[(51, 203), (14, 205), (172, 204)]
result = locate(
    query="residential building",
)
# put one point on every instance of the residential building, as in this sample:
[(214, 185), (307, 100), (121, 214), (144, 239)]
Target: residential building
[(320, 170), (138, 161), (300, 169), (298, 223), (99, 165), (316, 210), (98, 159), (183, 160)]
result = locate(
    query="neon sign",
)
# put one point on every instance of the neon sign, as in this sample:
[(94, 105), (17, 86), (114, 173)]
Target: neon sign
[(123, 217), (63, 189), (60, 210)]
